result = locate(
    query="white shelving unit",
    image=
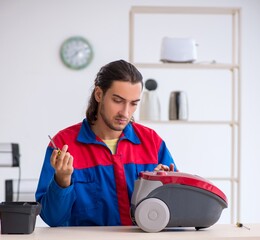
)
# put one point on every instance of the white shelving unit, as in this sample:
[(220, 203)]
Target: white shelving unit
[(233, 66)]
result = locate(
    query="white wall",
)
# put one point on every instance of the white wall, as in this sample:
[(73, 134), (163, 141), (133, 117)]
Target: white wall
[(39, 95)]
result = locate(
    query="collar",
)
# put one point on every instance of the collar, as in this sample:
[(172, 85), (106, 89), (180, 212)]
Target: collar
[(86, 135)]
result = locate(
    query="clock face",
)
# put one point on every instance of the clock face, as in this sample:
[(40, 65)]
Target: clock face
[(76, 52)]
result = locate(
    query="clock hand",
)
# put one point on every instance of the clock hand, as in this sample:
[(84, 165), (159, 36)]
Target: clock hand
[(78, 51)]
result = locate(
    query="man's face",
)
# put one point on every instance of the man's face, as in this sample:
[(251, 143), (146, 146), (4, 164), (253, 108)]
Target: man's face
[(118, 105)]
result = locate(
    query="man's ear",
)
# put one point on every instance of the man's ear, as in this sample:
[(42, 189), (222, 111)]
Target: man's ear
[(98, 94)]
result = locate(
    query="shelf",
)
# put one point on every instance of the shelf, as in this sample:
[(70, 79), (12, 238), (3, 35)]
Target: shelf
[(230, 123), (184, 10), (232, 65), (188, 65), (223, 179)]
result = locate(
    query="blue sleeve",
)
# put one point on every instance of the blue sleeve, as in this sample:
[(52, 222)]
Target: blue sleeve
[(165, 156), (56, 201)]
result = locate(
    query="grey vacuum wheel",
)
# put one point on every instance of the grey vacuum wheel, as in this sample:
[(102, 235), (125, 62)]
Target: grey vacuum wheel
[(152, 215)]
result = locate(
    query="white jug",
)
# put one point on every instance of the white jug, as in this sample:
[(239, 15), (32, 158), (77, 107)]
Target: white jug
[(150, 106)]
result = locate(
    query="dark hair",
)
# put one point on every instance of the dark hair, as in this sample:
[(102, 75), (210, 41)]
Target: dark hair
[(114, 71)]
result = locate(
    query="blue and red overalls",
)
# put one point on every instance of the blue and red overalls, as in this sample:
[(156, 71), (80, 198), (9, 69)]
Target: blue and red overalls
[(102, 183)]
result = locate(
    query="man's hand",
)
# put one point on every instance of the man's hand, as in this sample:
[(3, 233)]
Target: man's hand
[(162, 167), (63, 164)]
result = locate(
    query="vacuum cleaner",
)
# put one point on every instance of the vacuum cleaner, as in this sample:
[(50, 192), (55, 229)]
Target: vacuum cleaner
[(174, 199)]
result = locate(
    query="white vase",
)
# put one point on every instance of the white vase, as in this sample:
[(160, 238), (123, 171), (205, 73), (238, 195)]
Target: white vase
[(150, 106)]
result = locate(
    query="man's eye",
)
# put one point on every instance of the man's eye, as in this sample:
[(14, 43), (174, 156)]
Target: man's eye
[(117, 100)]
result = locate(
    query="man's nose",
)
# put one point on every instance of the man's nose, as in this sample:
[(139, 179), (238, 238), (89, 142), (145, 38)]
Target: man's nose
[(125, 110)]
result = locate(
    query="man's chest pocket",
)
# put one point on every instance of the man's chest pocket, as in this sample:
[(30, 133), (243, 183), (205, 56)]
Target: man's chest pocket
[(85, 185)]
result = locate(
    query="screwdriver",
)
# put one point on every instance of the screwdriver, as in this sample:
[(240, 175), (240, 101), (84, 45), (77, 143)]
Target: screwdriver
[(54, 145), (240, 225)]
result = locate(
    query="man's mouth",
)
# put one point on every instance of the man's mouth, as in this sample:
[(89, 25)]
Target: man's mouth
[(122, 120)]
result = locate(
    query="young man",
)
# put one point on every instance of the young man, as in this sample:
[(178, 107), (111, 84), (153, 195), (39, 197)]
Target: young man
[(91, 180)]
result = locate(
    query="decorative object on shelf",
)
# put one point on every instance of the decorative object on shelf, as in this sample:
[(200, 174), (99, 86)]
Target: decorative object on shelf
[(150, 104), (178, 106), (178, 50), (76, 52)]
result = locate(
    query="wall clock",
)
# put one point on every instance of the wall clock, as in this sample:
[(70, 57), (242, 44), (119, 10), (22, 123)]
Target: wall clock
[(76, 52)]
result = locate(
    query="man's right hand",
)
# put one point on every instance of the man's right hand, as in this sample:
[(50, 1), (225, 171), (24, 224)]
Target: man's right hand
[(63, 164)]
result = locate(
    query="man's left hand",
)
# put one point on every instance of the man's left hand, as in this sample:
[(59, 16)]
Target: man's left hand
[(162, 167)]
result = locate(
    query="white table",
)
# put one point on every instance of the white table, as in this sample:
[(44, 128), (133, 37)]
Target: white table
[(217, 231)]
